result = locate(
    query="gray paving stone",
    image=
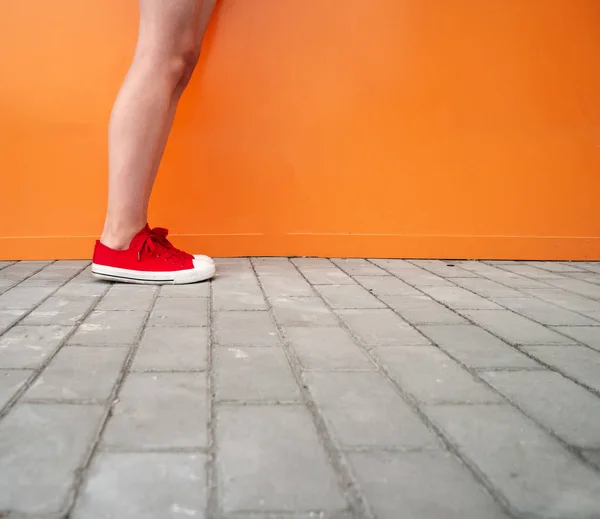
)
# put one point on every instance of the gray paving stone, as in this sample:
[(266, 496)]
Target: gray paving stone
[(74, 266), (592, 274), (358, 267), (78, 288), (29, 346), (449, 269), (544, 312), (159, 410), (237, 292), (241, 263), (459, 298), (593, 457), (326, 348), (577, 286), (499, 262), (533, 472), (592, 266), (234, 274), (289, 285), (589, 277), (4, 264), (531, 271), (128, 297), (69, 264), (422, 310), (578, 362), (348, 296), (35, 263), (393, 264), (311, 262), (475, 347), (326, 275), (419, 277), (364, 410), (245, 329), (41, 446), (9, 317), (305, 311), (278, 267), (486, 287), (172, 311), (10, 382), (381, 328), (191, 290), (34, 282), (21, 270), (62, 311), (102, 328), (589, 335), (248, 374), (507, 278), (51, 277), (555, 266), (79, 373), (5, 284), (24, 297), (567, 300), (85, 279), (313, 514), (386, 285), (514, 328), (272, 260), (172, 349), (421, 485), (144, 485), (559, 404), (270, 459), (431, 376)]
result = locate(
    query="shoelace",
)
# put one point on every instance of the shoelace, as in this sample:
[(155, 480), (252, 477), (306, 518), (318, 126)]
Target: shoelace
[(156, 244)]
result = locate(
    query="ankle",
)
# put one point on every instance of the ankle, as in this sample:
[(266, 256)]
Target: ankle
[(119, 237)]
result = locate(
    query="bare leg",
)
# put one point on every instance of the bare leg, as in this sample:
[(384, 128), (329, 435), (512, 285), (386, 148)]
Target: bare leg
[(168, 46)]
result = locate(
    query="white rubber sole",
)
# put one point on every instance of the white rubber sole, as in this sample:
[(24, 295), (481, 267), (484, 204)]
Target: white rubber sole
[(202, 271)]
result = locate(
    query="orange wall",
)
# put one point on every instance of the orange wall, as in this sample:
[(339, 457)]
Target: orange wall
[(409, 128)]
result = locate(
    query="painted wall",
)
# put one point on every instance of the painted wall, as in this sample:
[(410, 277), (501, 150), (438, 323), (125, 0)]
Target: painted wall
[(409, 128)]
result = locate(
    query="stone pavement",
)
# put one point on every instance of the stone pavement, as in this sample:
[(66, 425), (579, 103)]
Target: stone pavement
[(302, 388)]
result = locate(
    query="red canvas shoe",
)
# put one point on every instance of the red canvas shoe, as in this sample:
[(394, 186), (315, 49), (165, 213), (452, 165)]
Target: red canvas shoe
[(151, 259)]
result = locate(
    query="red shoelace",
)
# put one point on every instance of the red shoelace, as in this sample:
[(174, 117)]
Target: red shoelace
[(155, 243)]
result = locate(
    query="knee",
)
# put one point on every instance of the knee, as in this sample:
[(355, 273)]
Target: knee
[(185, 67), (176, 64), (182, 64)]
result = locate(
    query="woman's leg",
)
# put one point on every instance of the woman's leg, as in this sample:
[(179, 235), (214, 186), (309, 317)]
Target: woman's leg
[(168, 46)]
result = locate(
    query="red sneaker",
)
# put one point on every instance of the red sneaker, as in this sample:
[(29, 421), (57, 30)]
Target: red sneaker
[(151, 259)]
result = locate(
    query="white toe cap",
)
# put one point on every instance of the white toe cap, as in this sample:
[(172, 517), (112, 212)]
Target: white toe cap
[(204, 267), (204, 259)]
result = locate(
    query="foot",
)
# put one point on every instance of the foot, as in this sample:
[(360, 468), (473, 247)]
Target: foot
[(151, 259)]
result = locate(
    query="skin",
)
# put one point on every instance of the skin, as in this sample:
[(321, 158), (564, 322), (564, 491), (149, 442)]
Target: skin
[(167, 51)]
